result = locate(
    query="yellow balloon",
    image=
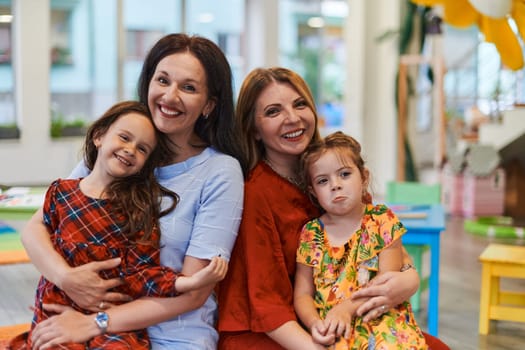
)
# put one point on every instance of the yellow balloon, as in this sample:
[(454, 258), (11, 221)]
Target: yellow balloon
[(499, 32), (492, 8), (459, 13), (518, 14), (491, 16)]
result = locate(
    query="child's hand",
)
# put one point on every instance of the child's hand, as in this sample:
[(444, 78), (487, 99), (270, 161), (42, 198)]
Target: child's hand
[(214, 272), (339, 321), (320, 333)]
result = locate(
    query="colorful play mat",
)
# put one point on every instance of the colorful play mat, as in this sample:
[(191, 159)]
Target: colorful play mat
[(11, 249), (494, 226)]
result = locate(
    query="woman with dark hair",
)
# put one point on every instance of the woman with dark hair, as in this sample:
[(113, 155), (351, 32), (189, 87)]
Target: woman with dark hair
[(186, 82)]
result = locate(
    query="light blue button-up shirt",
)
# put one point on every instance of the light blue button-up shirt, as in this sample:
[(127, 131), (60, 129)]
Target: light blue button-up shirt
[(203, 225)]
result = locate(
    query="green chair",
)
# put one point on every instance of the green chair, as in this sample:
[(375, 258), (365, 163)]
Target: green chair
[(414, 193)]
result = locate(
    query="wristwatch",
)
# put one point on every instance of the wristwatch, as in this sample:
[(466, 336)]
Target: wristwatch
[(102, 320)]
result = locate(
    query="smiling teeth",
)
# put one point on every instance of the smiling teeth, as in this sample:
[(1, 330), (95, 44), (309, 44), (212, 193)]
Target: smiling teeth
[(293, 134), (123, 160), (169, 111)]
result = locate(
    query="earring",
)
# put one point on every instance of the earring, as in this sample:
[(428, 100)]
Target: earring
[(205, 116)]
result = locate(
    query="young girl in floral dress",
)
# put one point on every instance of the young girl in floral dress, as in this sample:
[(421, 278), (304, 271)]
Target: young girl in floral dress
[(352, 242)]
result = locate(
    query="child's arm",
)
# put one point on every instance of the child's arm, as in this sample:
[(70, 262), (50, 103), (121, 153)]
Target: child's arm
[(211, 274), (391, 257), (145, 277), (304, 290), (83, 283), (303, 296)]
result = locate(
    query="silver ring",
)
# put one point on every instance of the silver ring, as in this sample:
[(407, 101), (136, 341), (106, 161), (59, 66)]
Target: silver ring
[(101, 305), (383, 308)]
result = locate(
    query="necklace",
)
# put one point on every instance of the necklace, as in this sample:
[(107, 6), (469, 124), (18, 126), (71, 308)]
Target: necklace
[(292, 180)]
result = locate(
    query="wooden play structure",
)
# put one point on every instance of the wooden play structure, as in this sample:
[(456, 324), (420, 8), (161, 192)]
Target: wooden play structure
[(439, 120)]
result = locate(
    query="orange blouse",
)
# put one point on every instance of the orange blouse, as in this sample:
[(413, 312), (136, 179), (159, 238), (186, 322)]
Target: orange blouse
[(257, 293)]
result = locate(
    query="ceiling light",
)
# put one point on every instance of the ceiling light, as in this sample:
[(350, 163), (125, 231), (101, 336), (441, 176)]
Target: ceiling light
[(315, 22), (6, 18), (206, 17)]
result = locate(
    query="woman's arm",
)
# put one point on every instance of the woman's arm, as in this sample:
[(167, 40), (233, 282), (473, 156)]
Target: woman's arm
[(72, 326), (82, 284), (390, 289)]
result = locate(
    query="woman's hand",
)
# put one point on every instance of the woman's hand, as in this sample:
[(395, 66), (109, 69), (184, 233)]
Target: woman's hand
[(386, 291), (65, 327), (88, 290)]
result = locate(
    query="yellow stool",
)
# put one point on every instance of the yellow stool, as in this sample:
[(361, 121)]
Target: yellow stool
[(500, 261)]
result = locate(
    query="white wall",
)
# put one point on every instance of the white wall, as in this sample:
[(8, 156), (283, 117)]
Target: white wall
[(34, 158), (262, 34), (370, 90)]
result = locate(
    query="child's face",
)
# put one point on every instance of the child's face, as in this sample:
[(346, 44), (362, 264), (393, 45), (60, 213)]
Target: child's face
[(337, 187), (125, 147)]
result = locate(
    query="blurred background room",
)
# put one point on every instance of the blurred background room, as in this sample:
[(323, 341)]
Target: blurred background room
[(434, 90)]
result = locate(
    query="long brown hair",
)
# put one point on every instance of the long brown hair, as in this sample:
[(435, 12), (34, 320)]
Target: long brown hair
[(252, 87), (135, 199), (218, 129)]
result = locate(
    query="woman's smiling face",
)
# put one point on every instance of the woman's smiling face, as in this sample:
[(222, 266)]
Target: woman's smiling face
[(284, 122), (178, 96)]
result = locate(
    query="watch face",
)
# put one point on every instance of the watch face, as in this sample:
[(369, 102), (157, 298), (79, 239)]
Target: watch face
[(102, 320)]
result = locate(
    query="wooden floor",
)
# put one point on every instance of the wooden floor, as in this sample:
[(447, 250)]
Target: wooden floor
[(459, 294)]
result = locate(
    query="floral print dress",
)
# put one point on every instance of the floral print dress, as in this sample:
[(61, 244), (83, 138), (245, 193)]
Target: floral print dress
[(340, 271)]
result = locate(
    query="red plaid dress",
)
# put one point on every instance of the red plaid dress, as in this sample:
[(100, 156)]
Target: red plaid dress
[(83, 230)]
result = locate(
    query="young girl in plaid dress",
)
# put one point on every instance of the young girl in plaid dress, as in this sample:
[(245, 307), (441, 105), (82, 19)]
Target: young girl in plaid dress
[(113, 213)]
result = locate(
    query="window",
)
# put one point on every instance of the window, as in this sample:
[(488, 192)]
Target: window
[(475, 76), (89, 74), (138, 43), (223, 23), (83, 70), (8, 123), (60, 41), (312, 44), (5, 34)]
